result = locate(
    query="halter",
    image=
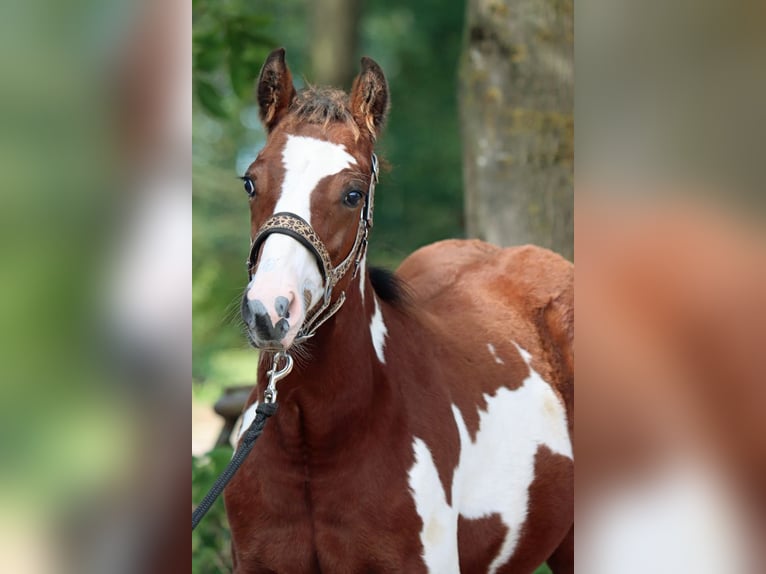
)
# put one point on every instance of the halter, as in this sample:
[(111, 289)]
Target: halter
[(299, 229)]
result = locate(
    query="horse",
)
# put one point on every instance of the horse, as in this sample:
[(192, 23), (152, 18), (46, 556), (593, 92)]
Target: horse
[(427, 423)]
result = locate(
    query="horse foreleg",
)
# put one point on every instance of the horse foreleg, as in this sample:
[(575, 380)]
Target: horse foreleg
[(562, 559)]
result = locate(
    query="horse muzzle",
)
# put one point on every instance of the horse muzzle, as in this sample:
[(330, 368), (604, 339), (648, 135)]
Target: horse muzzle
[(272, 320), (285, 285)]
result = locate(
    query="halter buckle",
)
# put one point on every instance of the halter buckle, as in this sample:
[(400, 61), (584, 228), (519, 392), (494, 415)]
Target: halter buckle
[(375, 168), (369, 203)]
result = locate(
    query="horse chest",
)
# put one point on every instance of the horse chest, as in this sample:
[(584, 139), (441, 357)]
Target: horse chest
[(351, 513)]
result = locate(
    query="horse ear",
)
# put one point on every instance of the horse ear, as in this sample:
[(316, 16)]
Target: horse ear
[(369, 98), (275, 89)]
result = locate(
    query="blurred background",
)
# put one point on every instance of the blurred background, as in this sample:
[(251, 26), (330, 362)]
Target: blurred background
[(95, 228), (670, 286)]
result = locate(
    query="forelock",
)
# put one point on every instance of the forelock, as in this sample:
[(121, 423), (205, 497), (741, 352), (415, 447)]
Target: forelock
[(323, 106)]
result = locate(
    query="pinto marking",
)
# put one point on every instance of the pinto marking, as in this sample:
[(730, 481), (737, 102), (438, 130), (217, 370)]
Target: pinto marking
[(488, 480), (494, 354), (439, 533), (524, 354), (378, 331)]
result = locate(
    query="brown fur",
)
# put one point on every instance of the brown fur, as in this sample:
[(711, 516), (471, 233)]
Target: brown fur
[(369, 98), (339, 450), (275, 89), (326, 486), (485, 533)]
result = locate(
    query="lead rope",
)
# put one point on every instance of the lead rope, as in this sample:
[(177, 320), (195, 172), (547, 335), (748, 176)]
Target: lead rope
[(262, 413)]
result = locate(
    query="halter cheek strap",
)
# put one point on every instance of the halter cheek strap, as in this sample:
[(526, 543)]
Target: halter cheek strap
[(299, 229)]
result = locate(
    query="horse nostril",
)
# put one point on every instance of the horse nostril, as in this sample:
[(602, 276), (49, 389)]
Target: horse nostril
[(263, 326), (280, 329), (260, 321), (282, 304), (257, 307)]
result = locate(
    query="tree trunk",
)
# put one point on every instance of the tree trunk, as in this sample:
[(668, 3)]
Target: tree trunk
[(334, 47), (516, 106)]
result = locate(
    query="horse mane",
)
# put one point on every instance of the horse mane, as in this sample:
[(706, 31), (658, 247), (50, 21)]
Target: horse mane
[(321, 106), (389, 287)]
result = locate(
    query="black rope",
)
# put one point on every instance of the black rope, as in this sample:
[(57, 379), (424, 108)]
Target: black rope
[(262, 413)]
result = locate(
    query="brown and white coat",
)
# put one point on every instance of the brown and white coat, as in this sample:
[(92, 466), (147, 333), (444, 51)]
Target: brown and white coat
[(427, 426)]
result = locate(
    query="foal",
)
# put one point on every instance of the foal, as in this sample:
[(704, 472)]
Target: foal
[(427, 424)]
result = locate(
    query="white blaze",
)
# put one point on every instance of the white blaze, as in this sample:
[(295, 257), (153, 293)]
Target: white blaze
[(494, 472), (308, 161), (285, 266)]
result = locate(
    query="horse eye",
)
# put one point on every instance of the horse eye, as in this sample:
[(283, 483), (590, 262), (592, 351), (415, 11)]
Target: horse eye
[(249, 186), (352, 198)]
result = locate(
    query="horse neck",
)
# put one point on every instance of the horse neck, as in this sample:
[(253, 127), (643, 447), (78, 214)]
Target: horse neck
[(338, 383)]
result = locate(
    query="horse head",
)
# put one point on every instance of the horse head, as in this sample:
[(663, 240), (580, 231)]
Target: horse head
[(311, 199)]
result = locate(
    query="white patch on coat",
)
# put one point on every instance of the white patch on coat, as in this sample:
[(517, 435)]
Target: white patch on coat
[(494, 354), (494, 472), (247, 419), (524, 354), (378, 331), (439, 533)]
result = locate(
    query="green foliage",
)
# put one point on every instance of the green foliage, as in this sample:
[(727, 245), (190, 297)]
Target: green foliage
[(219, 242), (421, 198), (229, 44), (211, 550)]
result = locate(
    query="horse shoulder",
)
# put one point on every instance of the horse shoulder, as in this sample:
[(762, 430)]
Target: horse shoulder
[(489, 296), (437, 267)]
